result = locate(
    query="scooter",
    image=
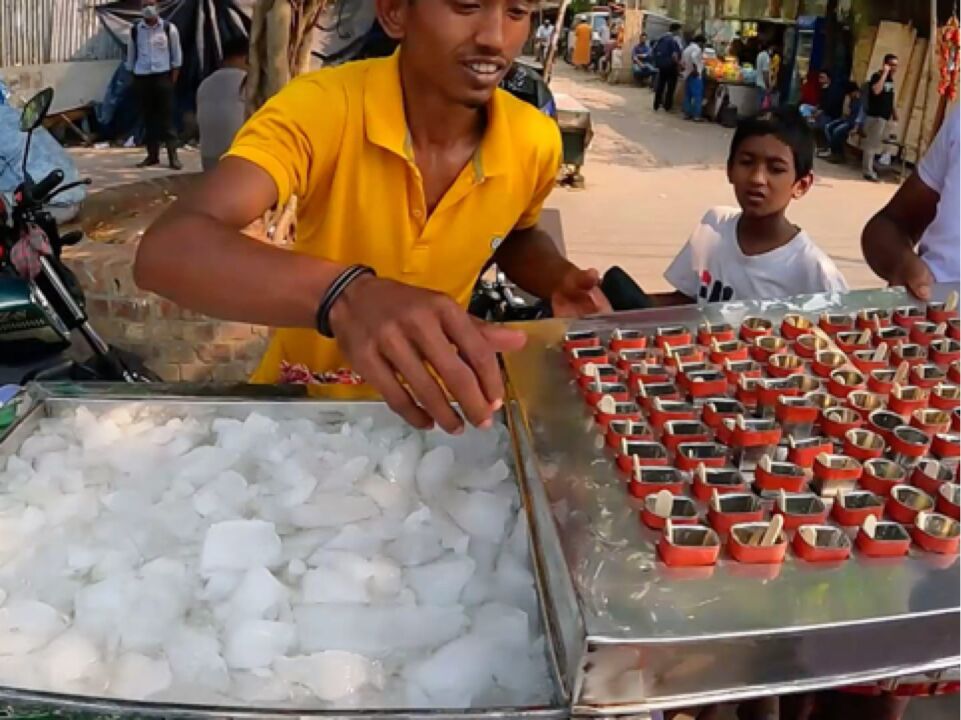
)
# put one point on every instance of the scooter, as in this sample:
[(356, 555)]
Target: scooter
[(41, 302)]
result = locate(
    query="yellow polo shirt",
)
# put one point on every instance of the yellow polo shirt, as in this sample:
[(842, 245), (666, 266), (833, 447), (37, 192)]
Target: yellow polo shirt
[(338, 139)]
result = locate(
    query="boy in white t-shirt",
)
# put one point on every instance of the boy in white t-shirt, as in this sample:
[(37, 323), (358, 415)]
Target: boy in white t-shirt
[(756, 253)]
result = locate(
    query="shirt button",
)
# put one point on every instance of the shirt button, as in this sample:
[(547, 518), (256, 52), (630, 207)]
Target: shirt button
[(418, 214)]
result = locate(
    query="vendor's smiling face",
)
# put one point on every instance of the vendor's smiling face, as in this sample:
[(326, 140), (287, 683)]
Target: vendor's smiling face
[(461, 47)]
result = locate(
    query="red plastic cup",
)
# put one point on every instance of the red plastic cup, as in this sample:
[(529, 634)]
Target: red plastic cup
[(833, 473), (908, 444), (794, 325), (785, 476), (734, 370), (579, 357), (741, 544), (753, 327), (723, 480), (605, 373), (937, 313), (676, 432), (863, 445), (864, 402), (880, 475), (721, 332), (927, 375), (683, 512), (944, 351), (676, 355), (594, 392), (929, 476), (715, 410), (652, 479), (821, 543), (622, 339), (673, 336), (910, 353), (732, 509), (851, 509), (881, 381), (836, 421), (945, 397), (645, 372), (764, 346), (834, 323), (954, 372), (905, 399), (946, 446), (755, 433), (704, 384), (949, 500), (905, 502), (630, 430), (827, 361), (923, 333), (906, 316), (842, 383), (784, 365), (801, 509), (809, 345), (884, 422), (891, 336), (622, 411), (745, 390), (648, 393), (931, 421), (954, 328), (770, 389), (580, 339), (648, 453), (864, 361), (872, 318), (689, 546), (803, 452), (691, 454), (795, 411), (852, 341), (662, 411), (728, 350), (890, 540), (936, 533)]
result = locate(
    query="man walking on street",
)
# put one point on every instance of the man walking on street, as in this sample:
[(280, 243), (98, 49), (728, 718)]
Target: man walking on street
[(220, 102), (764, 77), (692, 67), (667, 58), (154, 57), (880, 109)]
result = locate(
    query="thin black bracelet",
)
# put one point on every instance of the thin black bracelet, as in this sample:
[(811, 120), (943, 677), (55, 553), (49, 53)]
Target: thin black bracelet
[(336, 289)]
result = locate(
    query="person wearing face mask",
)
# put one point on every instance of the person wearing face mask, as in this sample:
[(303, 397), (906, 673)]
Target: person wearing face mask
[(154, 57)]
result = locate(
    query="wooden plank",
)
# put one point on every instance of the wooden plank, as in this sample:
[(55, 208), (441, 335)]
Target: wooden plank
[(862, 54), (909, 87), (892, 38)]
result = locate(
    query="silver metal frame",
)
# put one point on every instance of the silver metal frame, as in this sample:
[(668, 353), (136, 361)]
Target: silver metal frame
[(656, 637)]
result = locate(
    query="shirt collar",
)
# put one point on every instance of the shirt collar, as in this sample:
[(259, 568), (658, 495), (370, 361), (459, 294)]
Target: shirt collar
[(386, 123)]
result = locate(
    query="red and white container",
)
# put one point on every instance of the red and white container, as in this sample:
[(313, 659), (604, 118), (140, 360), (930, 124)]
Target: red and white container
[(884, 422), (630, 430), (728, 350), (835, 473), (936, 533), (906, 501), (785, 364), (834, 323), (927, 375), (945, 397), (672, 336), (881, 381), (908, 445), (821, 543), (579, 357), (827, 361), (727, 510), (624, 339), (836, 421), (723, 481), (865, 402), (931, 421), (662, 411), (648, 453), (800, 509), (797, 415), (809, 345), (676, 432), (906, 316), (734, 370), (873, 318), (764, 346), (853, 340), (937, 313), (949, 500), (889, 539), (651, 480), (910, 353), (863, 445), (905, 399), (719, 332), (794, 325), (753, 327), (743, 544), (803, 452), (704, 383), (891, 336), (850, 509), (775, 475), (930, 475), (689, 546), (944, 351), (682, 512), (881, 475), (866, 361), (580, 339), (591, 373), (946, 446), (715, 410), (842, 383), (924, 332), (604, 415), (595, 391), (710, 454)]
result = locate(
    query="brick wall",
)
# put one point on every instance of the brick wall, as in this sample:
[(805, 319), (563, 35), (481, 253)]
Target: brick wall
[(176, 344)]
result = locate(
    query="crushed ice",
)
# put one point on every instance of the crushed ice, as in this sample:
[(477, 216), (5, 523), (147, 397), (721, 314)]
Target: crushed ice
[(262, 562)]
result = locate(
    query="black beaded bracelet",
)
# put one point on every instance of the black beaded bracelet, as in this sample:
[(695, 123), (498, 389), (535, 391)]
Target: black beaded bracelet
[(336, 289)]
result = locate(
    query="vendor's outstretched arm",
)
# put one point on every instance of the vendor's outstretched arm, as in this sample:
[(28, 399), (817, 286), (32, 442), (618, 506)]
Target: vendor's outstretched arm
[(890, 237), (530, 258), (196, 255), (670, 299)]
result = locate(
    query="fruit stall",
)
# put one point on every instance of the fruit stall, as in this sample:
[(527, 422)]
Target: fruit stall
[(680, 506)]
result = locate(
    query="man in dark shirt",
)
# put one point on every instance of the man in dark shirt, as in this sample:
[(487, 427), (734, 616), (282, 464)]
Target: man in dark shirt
[(880, 109)]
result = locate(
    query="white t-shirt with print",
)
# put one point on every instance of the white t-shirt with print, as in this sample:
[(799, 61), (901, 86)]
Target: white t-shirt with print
[(940, 245), (712, 268)]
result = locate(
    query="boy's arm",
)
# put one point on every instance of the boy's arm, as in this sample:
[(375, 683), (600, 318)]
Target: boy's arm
[(670, 299)]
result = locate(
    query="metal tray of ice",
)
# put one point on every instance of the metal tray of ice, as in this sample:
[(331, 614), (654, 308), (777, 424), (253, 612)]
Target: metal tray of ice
[(239, 556), (658, 637)]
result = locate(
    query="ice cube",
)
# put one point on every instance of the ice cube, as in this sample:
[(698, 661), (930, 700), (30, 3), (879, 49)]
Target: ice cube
[(36, 445), (26, 625), (328, 585), (415, 547), (195, 658), (330, 675), (220, 585), (375, 630), (456, 672), (480, 514), (71, 658), (223, 497), (239, 545), (442, 581), (392, 497), (259, 687), (502, 624), (333, 510), (400, 464), (434, 472), (379, 576), (137, 677), (356, 539), (483, 479), (302, 544), (206, 461), (259, 596), (255, 643), (519, 541), (296, 568)]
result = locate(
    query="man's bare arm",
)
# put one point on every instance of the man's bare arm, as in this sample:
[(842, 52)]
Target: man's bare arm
[(670, 299), (196, 255), (890, 237), (878, 87)]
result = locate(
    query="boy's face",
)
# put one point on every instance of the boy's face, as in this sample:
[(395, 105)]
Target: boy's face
[(764, 178), (461, 47)]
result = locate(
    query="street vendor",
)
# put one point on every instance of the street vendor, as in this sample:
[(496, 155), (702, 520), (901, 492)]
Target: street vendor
[(412, 172)]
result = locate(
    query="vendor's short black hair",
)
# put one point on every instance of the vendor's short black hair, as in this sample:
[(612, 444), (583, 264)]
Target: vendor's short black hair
[(889, 57), (237, 46), (788, 126), (675, 27)]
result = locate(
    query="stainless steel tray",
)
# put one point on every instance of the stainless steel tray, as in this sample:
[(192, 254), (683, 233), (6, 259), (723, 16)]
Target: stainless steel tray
[(655, 637), (41, 400)]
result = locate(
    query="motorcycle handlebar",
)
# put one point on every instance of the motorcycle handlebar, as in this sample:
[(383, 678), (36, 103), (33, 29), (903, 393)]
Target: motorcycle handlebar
[(68, 186), (40, 190)]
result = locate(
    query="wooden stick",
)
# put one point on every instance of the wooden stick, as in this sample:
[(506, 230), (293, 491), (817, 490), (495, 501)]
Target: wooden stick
[(952, 302), (902, 374), (773, 531), (607, 405), (663, 503), (870, 525), (809, 534), (765, 462), (881, 353)]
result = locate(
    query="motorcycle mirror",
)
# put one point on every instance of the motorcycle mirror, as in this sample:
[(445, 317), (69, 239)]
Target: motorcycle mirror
[(36, 110)]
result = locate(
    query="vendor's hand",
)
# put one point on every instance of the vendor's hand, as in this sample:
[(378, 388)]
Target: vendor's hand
[(914, 274), (395, 335), (579, 294)]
